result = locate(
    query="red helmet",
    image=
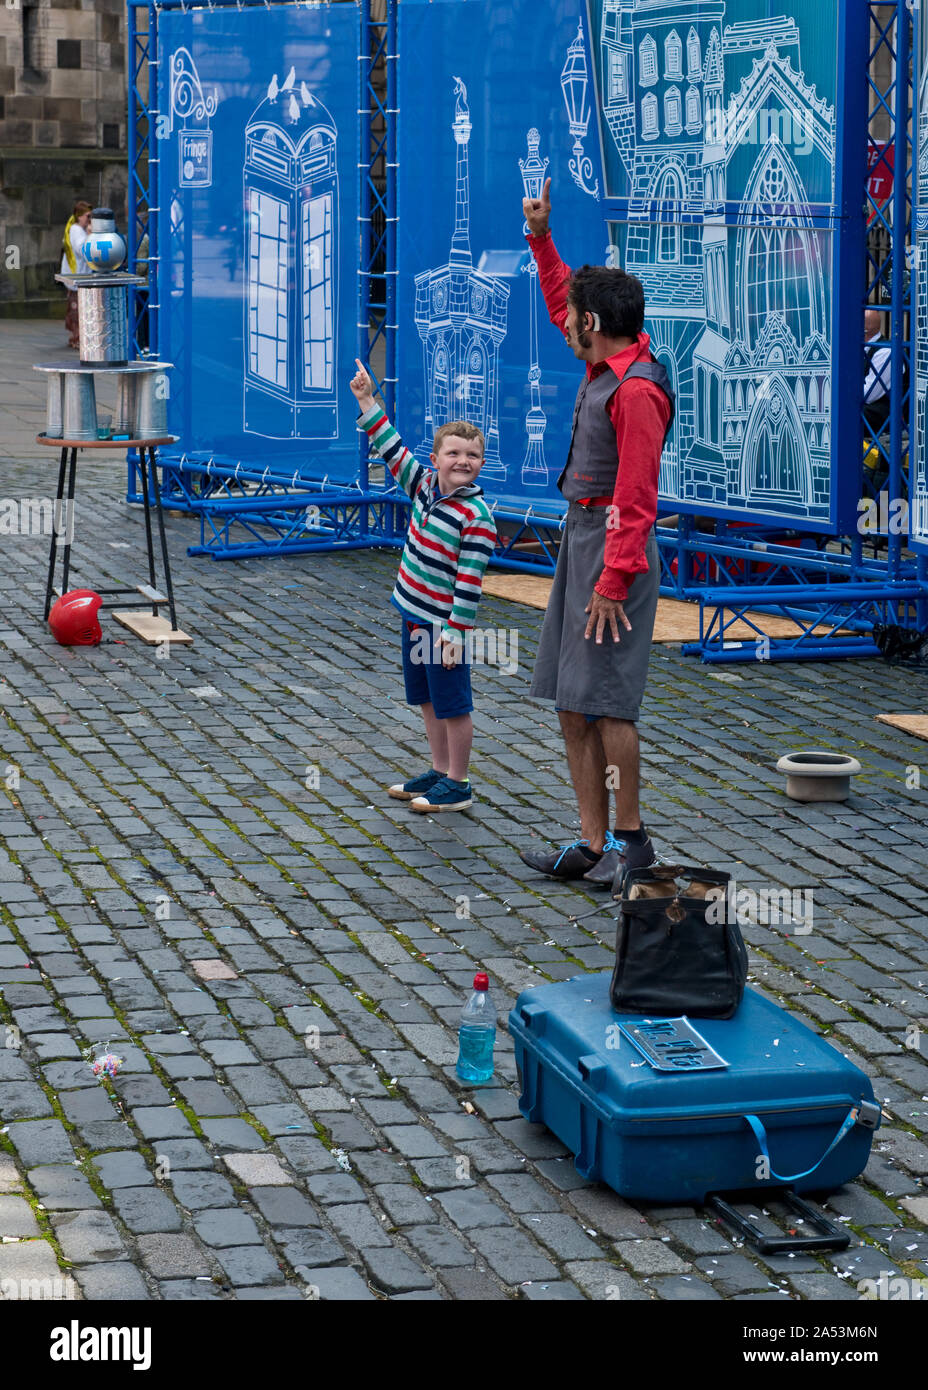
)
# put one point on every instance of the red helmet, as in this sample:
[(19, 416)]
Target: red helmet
[(73, 619)]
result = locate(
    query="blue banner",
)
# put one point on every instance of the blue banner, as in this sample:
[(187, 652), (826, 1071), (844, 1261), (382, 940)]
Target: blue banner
[(918, 482), (483, 121), (258, 230), (716, 149)]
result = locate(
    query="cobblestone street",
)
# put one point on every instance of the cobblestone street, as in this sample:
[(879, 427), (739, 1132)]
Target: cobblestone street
[(201, 872)]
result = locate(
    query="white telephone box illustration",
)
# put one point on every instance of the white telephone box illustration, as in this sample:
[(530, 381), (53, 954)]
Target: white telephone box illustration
[(291, 261)]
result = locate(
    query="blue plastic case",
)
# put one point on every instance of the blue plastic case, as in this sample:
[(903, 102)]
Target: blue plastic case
[(788, 1110)]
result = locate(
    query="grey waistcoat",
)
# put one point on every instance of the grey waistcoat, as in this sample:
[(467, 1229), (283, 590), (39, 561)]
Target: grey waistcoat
[(592, 461)]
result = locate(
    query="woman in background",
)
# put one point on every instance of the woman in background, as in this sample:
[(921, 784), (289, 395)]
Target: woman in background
[(73, 263)]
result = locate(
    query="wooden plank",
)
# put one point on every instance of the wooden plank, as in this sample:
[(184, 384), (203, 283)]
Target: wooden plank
[(675, 622), (152, 630), (915, 724), (530, 589)]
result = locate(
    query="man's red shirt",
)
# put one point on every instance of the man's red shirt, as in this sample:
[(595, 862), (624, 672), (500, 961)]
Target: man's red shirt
[(640, 413)]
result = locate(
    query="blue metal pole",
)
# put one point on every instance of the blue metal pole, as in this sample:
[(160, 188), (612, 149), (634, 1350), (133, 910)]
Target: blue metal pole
[(899, 245), (155, 278), (365, 239), (390, 298), (131, 155)]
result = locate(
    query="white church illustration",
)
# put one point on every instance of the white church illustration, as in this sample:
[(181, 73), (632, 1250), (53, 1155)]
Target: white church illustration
[(704, 116), (918, 481), (461, 317)]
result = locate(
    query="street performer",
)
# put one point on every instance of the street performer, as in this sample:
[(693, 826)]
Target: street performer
[(593, 654)]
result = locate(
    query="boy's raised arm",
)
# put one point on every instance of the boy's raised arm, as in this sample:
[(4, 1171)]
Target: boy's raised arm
[(384, 439)]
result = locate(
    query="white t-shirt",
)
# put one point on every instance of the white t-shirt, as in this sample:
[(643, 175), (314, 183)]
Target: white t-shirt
[(876, 385), (77, 237)]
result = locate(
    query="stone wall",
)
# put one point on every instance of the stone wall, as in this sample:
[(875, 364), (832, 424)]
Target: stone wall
[(63, 98)]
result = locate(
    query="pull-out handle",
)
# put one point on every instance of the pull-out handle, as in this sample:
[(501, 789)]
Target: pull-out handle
[(830, 1237)]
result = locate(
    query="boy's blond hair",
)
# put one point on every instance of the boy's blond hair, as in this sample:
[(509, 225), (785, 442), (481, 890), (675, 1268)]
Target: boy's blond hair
[(462, 430)]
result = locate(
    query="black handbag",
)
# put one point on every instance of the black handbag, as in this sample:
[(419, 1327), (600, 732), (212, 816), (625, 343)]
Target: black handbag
[(678, 949)]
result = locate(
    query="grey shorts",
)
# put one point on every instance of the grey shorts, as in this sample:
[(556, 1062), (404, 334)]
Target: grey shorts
[(572, 671)]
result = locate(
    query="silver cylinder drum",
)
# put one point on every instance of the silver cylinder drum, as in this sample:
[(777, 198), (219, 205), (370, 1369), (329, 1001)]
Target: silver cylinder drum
[(151, 419), (125, 417), (104, 325), (80, 406), (54, 414)]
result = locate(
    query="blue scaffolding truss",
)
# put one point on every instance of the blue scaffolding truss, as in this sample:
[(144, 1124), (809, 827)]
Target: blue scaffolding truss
[(835, 589)]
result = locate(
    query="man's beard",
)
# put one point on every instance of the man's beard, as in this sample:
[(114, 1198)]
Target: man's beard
[(582, 341)]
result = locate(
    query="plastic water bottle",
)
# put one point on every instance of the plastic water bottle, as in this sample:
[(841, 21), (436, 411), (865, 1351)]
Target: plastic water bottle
[(477, 1033)]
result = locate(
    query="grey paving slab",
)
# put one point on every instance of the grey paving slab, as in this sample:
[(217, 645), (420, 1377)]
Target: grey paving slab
[(61, 1188), (198, 1190), (393, 1272), (284, 1207), (145, 1210), (88, 1237), (16, 1218), (33, 1271), (512, 1256), (226, 1226), (169, 1256), (117, 1282), (439, 1247), (310, 1246), (249, 1265), (336, 1284), (41, 1141)]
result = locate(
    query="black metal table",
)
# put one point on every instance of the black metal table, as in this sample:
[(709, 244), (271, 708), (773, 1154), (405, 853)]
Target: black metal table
[(67, 471)]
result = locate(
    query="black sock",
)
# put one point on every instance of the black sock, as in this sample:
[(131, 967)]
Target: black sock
[(593, 855), (634, 837)]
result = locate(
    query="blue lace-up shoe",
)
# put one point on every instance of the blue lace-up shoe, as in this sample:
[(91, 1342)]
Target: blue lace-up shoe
[(618, 857), (416, 786), (444, 795), (568, 862)]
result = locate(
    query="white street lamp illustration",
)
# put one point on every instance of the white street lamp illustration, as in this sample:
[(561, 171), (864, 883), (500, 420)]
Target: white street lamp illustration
[(460, 315), (574, 83), (534, 468), (195, 138), (291, 242)]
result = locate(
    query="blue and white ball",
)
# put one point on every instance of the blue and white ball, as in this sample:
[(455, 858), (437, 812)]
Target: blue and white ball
[(104, 248)]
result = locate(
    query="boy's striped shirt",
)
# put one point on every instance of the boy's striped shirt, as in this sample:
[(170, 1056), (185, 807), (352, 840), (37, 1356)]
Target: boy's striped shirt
[(449, 542)]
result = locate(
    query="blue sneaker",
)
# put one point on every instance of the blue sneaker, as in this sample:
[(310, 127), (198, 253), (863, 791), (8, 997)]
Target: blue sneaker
[(416, 786), (444, 795)]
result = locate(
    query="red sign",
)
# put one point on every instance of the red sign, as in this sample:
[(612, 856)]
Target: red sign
[(881, 166)]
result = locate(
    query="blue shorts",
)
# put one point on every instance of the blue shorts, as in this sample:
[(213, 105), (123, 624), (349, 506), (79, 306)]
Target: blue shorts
[(590, 718), (446, 689)]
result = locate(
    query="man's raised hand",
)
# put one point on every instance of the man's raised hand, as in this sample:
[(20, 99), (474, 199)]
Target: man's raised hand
[(537, 211)]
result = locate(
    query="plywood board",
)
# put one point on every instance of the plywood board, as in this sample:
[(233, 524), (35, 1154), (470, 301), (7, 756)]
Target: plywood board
[(530, 589), (915, 724), (152, 630), (675, 622)]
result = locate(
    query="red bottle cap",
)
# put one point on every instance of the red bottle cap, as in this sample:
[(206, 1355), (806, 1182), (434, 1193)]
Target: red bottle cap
[(481, 981)]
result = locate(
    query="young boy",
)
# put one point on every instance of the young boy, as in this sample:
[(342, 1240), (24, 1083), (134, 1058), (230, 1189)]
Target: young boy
[(450, 539)]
